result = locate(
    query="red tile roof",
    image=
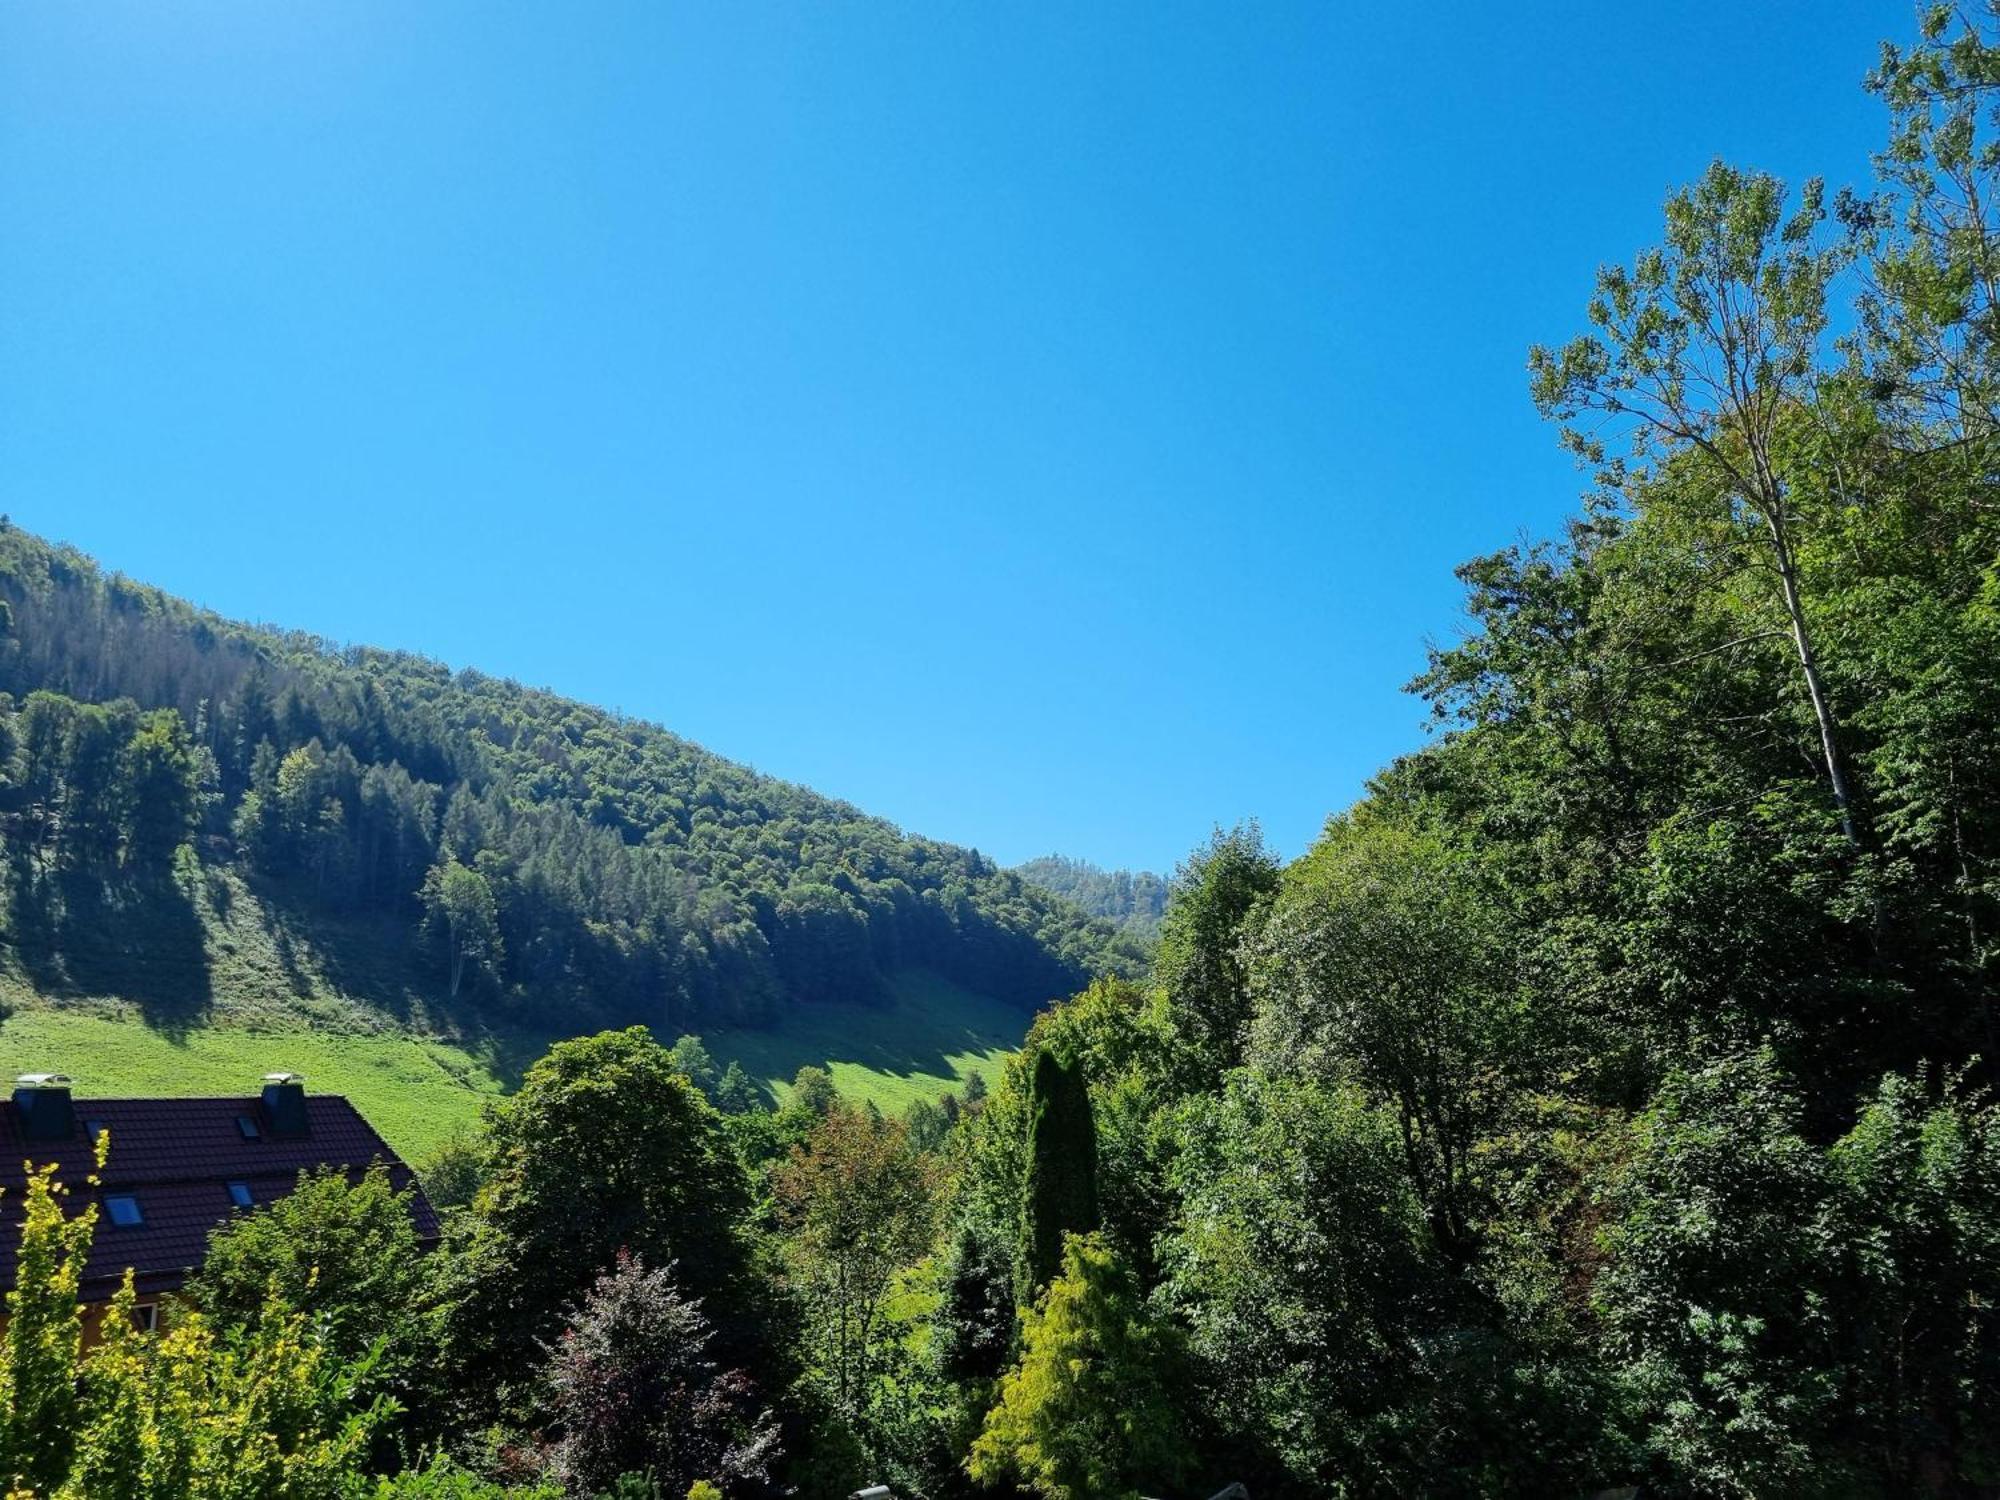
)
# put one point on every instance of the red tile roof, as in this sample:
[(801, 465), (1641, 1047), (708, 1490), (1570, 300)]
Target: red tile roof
[(178, 1157)]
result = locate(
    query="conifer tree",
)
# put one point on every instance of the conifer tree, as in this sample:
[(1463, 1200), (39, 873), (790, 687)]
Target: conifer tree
[(1060, 1194)]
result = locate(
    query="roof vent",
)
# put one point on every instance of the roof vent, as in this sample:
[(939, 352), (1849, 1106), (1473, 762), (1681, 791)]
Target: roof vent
[(285, 1104), (46, 1111)]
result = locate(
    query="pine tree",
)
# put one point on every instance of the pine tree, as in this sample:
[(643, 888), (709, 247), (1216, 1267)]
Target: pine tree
[(1060, 1194)]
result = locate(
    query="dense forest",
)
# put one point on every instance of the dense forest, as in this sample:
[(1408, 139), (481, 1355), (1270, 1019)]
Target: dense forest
[(1133, 902), (1604, 1100), (558, 865)]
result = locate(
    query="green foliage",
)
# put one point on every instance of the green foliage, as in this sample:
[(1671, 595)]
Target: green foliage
[(606, 1148), (462, 919), (1298, 1267), (1913, 1224), (38, 1401), (1216, 893), (975, 1316), (191, 1415), (187, 1415), (855, 1202), (1385, 960), (812, 1091), (1089, 1413), (1711, 1303), (444, 1479), (1059, 1190), (735, 1094), (1134, 902), (631, 875), (692, 1057), (345, 1253)]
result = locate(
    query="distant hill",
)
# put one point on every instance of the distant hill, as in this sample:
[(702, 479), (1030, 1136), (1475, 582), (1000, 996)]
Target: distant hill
[(1134, 901), (484, 852)]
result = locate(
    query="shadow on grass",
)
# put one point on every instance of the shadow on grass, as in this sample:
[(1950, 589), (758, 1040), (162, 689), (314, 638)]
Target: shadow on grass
[(76, 934), (925, 1024), (362, 955)]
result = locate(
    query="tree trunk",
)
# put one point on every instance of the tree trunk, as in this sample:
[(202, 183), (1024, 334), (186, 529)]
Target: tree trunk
[(1829, 739)]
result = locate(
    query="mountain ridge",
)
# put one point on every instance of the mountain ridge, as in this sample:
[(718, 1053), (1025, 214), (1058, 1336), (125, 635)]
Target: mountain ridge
[(616, 870)]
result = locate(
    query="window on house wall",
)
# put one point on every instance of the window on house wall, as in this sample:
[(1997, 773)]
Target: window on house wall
[(146, 1317), (124, 1210)]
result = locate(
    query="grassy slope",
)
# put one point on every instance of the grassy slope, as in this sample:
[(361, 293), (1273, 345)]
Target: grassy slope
[(204, 990)]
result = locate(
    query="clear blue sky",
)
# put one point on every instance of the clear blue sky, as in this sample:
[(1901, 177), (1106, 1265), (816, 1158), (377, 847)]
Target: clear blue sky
[(1052, 427)]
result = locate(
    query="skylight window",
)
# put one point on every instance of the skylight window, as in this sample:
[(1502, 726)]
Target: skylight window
[(94, 1129), (239, 1194), (124, 1210), (249, 1127)]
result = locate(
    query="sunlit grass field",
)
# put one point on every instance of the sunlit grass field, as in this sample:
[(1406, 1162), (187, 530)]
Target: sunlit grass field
[(234, 986)]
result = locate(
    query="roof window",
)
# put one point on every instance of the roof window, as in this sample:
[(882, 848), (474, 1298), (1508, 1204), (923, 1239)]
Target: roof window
[(252, 1131), (239, 1194), (124, 1210)]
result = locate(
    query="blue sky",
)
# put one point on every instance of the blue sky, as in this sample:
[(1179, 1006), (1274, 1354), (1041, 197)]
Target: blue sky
[(1051, 427)]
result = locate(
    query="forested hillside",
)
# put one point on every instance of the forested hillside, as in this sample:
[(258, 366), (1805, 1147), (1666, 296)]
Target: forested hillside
[(1132, 902), (1604, 1103), (552, 864)]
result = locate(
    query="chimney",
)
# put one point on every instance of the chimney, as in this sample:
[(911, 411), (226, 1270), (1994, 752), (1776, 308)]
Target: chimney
[(285, 1104), (44, 1102)]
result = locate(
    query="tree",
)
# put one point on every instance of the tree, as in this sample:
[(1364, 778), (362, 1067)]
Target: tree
[(1911, 1238), (1296, 1266), (1059, 1194), (605, 1147), (1089, 1413), (975, 1316), (38, 1403), (460, 914), (632, 1389), (692, 1057), (1930, 309), (345, 1253), (187, 1415), (1712, 1299), (735, 1094), (1214, 894), (812, 1091), (192, 1415), (926, 1124), (454, 1169), (93, 800), (1385, 962), (163, 793), (1709, 345), (855, 1204)]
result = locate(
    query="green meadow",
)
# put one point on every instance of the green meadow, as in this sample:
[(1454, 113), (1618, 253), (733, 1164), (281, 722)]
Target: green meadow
[(236, 985)]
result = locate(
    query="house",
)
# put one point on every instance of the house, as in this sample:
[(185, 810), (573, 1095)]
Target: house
[(177, 1168)]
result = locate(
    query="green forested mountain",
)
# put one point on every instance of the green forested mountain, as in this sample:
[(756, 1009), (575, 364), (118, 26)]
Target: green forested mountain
[(552, 863), (1133, 902), (1603, 1103)]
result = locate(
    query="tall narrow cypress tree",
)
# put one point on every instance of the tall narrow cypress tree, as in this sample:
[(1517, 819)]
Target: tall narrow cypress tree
[(1060, 1195)]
